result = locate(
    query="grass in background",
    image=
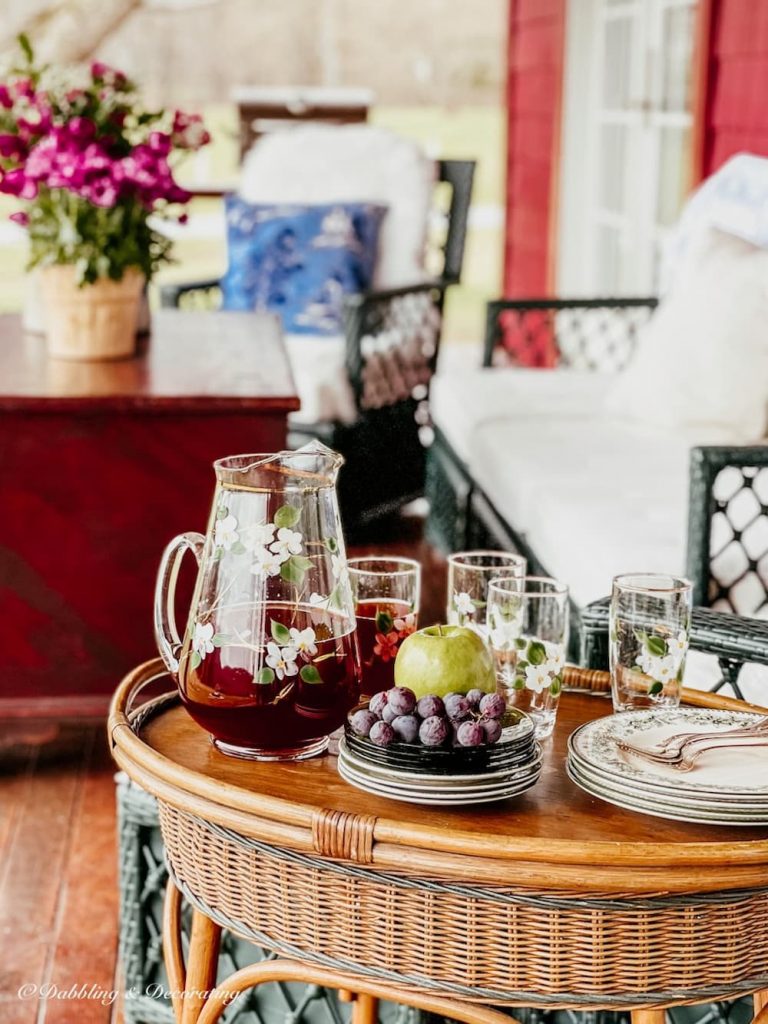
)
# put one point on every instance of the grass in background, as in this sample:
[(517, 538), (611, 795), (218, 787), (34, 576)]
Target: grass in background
[(461, 132)]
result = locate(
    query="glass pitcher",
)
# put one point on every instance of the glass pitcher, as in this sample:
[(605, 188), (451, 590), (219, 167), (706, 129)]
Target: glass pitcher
[(269, 662)]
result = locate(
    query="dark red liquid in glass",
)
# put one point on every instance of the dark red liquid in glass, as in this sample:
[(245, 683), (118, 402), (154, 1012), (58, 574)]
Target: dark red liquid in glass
[(222, 695), (379, 635)]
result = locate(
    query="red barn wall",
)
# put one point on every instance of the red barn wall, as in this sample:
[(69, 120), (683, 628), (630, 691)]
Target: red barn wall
[(536, 50), (735, 111)]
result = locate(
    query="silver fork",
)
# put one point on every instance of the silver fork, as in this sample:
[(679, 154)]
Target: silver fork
[(673, 747), (695, 747)]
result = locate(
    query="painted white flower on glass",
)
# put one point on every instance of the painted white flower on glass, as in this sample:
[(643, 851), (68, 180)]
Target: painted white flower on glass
[(287, 543), (202, 639), (265, 562), (304, 641), (225, 533), (661, 657), (537, 678), (282, 660), (256, 536), (463, 603)]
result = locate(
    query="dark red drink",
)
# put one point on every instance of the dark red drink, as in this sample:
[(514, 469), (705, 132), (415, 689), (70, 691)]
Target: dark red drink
[(382, 625), (266, 699)]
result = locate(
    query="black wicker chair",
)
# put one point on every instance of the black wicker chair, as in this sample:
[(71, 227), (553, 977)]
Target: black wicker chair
[(393, 338), (593, 334)]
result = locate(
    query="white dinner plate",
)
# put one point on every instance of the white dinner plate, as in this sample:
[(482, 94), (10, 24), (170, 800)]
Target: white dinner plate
[(730, 771), (431, 800), (484, 788), (620, 799), (430, 781)]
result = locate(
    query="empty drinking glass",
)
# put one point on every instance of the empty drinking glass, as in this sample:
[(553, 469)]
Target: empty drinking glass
[(528, 635), (650, 620), (469, 573), (386, 593)]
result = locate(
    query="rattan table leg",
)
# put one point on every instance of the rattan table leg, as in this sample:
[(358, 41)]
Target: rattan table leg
[(202, 964), (173, 954), (365, 1009), (649, 1016), (292, 970), (760, 1006)]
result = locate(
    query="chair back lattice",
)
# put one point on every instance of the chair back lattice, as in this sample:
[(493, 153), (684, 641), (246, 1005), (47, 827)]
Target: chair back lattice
[(728, 529), (586, 334)]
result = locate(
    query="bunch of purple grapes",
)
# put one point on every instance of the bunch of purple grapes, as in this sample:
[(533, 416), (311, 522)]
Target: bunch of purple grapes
[(461, 720)]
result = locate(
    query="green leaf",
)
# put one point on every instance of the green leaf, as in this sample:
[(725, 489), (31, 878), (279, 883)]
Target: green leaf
[(280, 633), (310, 674), (657, 646), (26, 47), (219, 639), (238, 549), (642, 636), (521, 665), (556, 686), (384, 622), (194, 660), (265, 676), (301, 562), (291, 572), (519, 683), (655, 688), (520, 644), (537, 653), (287, 516), (221, 512), (332, 544)]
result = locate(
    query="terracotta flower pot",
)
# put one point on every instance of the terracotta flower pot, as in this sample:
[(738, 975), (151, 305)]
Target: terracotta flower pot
[(97, 321)]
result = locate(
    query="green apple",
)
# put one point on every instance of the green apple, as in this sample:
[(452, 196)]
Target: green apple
[(444, 659)]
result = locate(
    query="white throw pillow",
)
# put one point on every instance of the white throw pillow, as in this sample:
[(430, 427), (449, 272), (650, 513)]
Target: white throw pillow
[(352, 163), (702, 360)]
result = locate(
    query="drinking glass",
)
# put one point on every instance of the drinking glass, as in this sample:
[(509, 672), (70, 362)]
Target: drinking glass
[(650, 620), (469, 573), (386, 591), (527, 624)]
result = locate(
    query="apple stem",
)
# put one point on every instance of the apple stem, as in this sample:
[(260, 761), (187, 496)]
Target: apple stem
[(439, 630)]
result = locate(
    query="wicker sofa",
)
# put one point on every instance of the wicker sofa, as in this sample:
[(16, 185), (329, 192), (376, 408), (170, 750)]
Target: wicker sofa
[(526, 459)]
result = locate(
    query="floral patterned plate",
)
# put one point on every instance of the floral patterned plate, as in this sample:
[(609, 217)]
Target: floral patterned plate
[(670, 810), (729, 771)]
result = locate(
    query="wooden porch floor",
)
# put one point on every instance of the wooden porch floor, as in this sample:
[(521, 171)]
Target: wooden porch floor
[(58, 856)]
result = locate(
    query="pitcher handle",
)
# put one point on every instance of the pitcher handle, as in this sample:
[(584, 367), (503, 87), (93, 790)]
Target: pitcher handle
[(169, 642)]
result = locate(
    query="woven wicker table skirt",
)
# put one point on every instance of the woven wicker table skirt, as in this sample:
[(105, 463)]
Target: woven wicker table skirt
[(482, 944)]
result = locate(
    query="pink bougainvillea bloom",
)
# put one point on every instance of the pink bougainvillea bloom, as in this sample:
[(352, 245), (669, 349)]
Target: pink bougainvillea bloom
[(5, 97), (12, 146), (82, 128), (20, 218), (15, 183), (101, 72), (183, 218), (24, 87)]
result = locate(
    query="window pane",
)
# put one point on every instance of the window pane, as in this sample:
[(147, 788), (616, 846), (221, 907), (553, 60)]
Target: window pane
[(674, 173), (608, 262), (677, 36), (613, 146), (617, 55)]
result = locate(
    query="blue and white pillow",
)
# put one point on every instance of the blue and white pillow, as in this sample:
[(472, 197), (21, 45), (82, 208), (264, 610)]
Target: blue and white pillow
[(300, 261)]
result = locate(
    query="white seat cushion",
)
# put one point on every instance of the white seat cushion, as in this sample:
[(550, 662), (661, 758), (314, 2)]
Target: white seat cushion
[(592, 498), (462, 401), (353, 163), (702, 359)]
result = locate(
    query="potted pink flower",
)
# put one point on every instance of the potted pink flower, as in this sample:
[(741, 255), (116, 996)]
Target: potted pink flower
[(95, 171)]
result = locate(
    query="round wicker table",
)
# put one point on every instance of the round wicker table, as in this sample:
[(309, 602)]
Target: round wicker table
[(552, 899)]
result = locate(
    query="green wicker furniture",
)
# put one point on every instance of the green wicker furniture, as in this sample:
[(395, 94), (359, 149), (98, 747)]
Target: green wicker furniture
[(553, 900), (728, 528), (146, 1000), (392, 342)]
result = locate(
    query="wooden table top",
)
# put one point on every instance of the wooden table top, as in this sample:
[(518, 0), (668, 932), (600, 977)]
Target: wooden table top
[(192, 360), (553, 832)]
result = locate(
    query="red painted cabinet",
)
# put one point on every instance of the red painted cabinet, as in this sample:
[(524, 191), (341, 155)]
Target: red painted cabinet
[(100, 465)]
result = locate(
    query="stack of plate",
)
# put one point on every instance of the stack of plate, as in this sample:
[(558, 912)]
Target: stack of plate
[(445, 777), (726, 786)]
